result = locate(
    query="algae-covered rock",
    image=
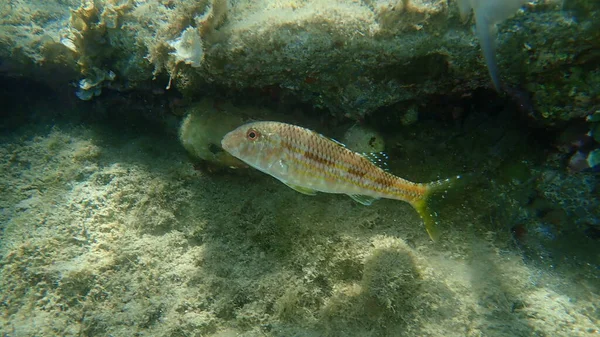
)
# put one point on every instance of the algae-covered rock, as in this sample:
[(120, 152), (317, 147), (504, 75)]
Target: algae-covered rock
[(349, 57), (132, 41), (392, 276)]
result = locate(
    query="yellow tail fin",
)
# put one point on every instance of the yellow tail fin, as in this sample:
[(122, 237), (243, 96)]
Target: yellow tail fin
[(422, 205)]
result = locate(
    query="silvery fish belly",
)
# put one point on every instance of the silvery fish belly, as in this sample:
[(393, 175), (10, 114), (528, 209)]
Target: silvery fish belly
[(310, 162)]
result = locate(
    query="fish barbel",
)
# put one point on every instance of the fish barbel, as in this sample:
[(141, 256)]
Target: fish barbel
[(309, 163)]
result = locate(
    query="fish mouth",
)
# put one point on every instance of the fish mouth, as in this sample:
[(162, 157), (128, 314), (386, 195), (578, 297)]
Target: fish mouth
[(228, 143)]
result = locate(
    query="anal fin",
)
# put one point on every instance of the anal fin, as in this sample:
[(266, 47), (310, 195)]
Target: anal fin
[(303, 190), (363, 199)]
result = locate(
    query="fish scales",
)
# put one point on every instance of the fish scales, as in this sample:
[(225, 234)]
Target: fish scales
[(324, 163), (310, 162)]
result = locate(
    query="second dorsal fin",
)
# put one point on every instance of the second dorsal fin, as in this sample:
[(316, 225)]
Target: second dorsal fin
[(380, 159), (337, 142)]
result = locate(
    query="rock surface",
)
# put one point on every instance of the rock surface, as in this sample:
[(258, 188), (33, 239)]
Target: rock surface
[(351, 57)]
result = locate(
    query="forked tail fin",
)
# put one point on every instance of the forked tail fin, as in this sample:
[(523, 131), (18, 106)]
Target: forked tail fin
[(428, 215)]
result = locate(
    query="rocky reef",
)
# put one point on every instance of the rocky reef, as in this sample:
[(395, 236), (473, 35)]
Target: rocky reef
[(351, 58)]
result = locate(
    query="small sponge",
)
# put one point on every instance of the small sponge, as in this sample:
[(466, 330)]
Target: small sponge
[(188, 48)]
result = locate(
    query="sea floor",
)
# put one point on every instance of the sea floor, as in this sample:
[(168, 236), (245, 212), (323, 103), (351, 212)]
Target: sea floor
[(108, 230)]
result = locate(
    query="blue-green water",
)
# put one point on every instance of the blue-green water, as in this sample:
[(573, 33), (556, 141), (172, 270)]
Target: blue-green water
[(122, 216)]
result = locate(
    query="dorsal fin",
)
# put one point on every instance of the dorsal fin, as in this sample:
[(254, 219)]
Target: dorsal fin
[(337, 142), (380, 159)]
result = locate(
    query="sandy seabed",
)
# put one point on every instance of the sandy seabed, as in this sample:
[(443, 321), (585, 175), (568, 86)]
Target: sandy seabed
[(108, 232)]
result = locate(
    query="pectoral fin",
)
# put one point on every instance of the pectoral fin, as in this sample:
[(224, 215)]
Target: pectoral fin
[(303, 190), (363, 199)]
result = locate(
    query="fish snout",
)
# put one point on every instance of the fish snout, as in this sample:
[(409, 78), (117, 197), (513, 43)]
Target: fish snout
[(227, 143), (233, 142)]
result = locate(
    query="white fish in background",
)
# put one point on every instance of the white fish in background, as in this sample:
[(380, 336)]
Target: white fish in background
[(489, 13)]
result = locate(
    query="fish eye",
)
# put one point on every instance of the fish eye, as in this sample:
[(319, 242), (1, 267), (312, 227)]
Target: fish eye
[(252, 134)]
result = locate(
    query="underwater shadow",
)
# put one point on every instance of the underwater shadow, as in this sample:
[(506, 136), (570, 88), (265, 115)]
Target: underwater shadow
[(499, 300), (276, 259), (252, 255)]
